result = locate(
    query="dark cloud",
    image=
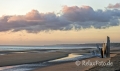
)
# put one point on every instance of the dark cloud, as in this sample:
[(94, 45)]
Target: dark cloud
[(77, 17), (117, 5)]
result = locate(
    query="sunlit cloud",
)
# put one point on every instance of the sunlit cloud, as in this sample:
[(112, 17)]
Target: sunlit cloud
[(117, 5), (71, 17)]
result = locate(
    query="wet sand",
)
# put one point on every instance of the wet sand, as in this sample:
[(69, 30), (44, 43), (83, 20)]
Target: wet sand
[(23, 58), (71, 66)]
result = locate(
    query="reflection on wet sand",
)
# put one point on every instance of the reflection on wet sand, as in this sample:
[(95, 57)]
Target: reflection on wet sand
[(70, 56), (29, 67)]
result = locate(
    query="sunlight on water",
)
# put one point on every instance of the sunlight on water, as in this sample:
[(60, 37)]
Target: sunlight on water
[(69, 57), (7, 67), (2, 54)]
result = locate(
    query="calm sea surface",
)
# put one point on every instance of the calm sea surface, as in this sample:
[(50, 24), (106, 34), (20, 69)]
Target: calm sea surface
[(18, 48)]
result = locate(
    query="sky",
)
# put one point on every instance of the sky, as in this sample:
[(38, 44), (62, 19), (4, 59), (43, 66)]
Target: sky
[(48, 22)]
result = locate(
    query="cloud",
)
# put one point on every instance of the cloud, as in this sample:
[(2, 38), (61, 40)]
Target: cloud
[(85, 16), (117, 5), (74, 16), (85, 13)]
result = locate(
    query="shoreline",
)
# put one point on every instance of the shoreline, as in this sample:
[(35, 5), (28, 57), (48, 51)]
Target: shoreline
[(9, 58), (46, 63), (32, 57), (27, 58), (70, 66)]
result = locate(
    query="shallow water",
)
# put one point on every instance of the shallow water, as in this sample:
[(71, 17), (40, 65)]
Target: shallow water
[(29, 67), (71, 56)]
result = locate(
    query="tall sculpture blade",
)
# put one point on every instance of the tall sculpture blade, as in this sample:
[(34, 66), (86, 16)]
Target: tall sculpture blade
[(105, 50), (108, 47), (101, 53)]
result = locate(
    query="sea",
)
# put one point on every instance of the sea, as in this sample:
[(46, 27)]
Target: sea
[(22, 48)]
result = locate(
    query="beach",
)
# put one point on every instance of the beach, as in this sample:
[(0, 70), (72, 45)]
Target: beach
[(35, 59), (71, 66), (40, 56), (24, 58), (114, 67)]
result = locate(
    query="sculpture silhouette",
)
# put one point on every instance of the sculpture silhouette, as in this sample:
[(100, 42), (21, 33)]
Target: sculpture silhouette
[(105, 50)]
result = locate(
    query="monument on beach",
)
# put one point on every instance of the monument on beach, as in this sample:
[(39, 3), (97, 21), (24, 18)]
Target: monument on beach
[(108, 47), (105, 50)]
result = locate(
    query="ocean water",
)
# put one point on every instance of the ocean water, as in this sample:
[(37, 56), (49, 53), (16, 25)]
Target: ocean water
[(22, 48)]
